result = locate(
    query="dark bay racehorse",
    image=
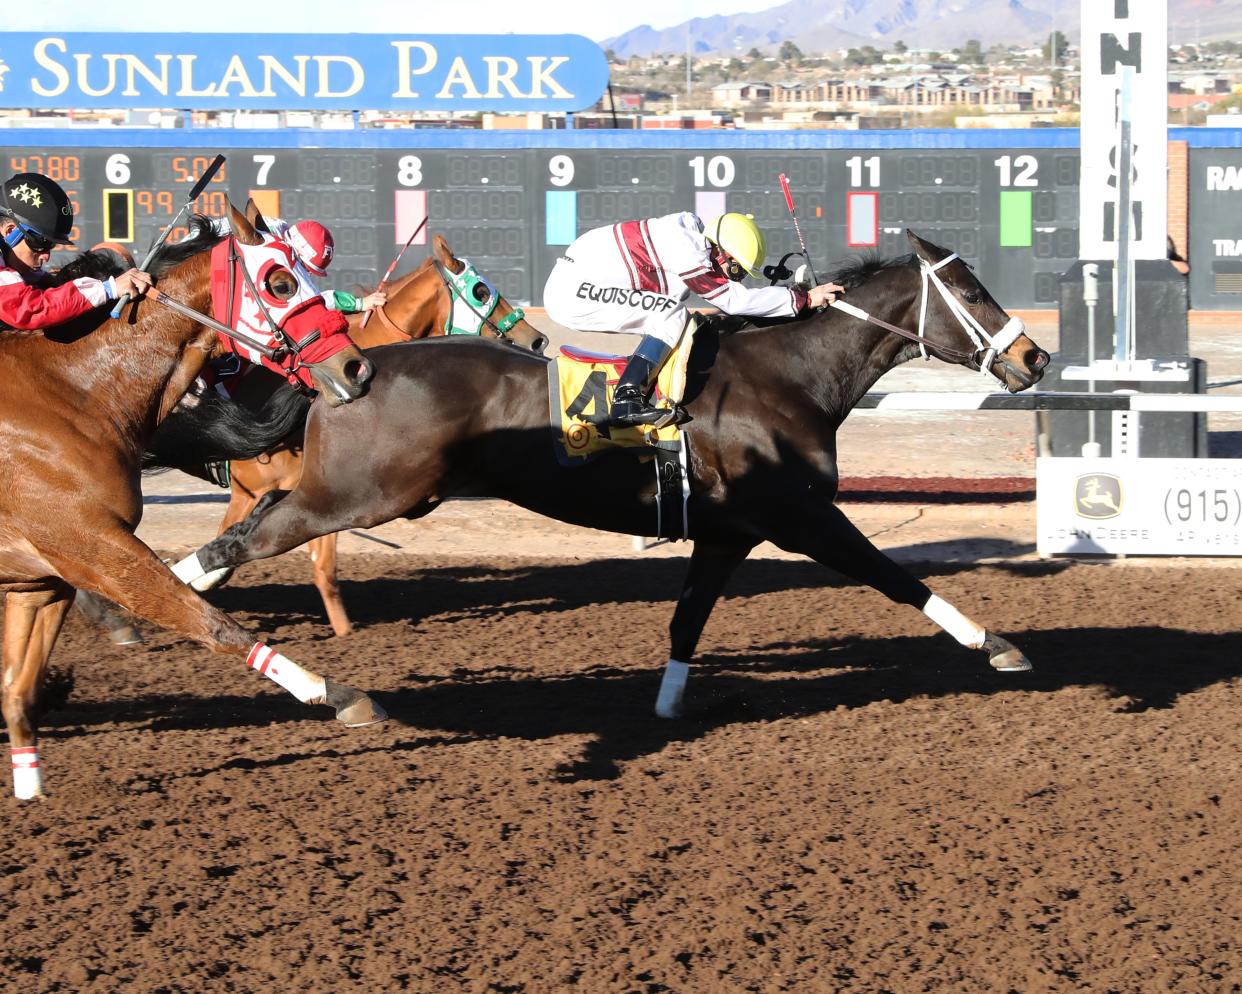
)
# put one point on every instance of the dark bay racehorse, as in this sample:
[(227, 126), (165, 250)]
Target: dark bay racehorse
[(449, 418), (444, 295), (79, 403)]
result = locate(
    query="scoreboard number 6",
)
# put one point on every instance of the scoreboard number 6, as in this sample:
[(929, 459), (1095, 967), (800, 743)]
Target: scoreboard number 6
[(117, 169)]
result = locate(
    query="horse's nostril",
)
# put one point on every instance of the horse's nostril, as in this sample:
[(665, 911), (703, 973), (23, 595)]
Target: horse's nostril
[(540, 345), (1037, 359)]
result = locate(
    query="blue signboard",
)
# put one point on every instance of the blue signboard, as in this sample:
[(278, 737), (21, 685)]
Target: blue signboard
[(301, 72)]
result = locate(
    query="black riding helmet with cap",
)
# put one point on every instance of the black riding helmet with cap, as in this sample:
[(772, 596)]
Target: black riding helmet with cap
[(39, 206)]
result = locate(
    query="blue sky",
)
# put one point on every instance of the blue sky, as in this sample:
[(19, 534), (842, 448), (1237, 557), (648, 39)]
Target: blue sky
[(594, 20)]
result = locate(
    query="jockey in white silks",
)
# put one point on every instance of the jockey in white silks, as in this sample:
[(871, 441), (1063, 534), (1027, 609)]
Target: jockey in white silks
[(634, 277)]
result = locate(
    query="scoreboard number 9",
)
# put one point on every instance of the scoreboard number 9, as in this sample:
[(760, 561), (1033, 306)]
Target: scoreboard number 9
[(561, 170)]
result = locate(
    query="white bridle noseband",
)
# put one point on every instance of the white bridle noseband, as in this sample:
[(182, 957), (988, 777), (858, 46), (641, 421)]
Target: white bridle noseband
[(996, 344), (987, 345)]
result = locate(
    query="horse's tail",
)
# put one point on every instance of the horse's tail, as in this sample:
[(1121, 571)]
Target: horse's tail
[(218, 429)]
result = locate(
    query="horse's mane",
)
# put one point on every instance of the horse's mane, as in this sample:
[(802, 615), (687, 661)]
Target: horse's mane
[(203, 236), (97, 263), (855, 272)]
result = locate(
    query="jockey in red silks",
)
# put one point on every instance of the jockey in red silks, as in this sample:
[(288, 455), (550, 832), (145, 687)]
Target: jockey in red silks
[(314, 246), (35, 217), (634, 277)]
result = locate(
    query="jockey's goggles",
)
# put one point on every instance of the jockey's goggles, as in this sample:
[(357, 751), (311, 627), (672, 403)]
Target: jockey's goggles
[(37, 242), (732, 269)]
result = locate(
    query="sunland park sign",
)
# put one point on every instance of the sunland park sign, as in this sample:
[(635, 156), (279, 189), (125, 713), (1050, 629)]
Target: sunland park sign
[(301, 72)]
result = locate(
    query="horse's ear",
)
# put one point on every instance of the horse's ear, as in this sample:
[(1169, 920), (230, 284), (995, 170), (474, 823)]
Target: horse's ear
[(924, 249), (255, 216), (243, 230), (441, 250)]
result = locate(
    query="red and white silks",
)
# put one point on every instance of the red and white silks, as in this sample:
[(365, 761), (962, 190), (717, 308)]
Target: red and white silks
[(298, 317), (634, 277)]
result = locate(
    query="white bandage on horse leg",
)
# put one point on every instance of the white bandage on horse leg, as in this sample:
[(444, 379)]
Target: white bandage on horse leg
[(188, 569), (967, 632), (672, 689), (306, 687), (27, 777)]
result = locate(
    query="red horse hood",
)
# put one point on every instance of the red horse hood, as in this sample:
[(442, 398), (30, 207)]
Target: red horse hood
[(298, 318)]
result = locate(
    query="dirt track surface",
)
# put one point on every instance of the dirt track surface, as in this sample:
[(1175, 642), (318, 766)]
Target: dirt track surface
[(854, 803)]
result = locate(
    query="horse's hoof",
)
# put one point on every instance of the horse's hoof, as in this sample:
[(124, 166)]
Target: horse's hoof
[(360, 713), (1005, 656), (354, 709), (211, 579), (126, 635)]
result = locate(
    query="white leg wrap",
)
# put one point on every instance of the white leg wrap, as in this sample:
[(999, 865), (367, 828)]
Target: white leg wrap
[(27, 776), (967, 632), (306, 687), (672, 689), (189, 569), (208, 580)]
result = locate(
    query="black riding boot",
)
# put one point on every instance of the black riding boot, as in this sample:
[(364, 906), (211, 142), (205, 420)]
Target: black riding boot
[(630, 404)]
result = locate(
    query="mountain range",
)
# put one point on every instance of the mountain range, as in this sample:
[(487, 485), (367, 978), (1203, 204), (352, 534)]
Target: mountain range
[(827, 25)]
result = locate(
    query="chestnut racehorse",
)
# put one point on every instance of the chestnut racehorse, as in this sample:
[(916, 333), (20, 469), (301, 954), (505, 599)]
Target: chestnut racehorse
[(420, 305), (79, 403), (455, 418)]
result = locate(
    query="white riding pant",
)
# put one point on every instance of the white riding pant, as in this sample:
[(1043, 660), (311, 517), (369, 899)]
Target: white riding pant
[(576, 300)]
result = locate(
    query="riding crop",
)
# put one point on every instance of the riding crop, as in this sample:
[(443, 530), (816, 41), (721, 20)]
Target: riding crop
[(421, 224), (793, 212), (195, 190)]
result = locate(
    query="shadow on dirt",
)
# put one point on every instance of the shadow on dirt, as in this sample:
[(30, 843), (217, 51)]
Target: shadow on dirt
[(1143, 668)]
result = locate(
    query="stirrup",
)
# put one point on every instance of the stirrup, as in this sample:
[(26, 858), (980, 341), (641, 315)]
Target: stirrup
[(640, 413)]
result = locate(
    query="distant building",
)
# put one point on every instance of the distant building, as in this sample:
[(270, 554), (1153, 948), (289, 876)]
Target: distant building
[(741, 93)]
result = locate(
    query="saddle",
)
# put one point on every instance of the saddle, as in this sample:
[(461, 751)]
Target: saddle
[(580, 388)]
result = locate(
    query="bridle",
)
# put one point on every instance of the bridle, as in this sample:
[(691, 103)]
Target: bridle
[(988, 345), (460, 287)]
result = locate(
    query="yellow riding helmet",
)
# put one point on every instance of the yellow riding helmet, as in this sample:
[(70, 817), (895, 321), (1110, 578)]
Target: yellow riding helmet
[(738, 235)]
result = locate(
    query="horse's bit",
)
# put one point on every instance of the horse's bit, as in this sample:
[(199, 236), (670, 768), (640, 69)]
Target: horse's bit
[(984, 355)]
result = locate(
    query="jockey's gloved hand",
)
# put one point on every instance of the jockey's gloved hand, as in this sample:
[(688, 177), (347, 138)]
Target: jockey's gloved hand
[(824, 294), (802, 277)]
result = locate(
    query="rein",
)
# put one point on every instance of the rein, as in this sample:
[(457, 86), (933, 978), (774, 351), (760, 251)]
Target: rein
[(982, 358)]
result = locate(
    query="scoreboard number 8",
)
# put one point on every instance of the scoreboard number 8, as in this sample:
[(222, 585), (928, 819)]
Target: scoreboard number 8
[(409, 170)]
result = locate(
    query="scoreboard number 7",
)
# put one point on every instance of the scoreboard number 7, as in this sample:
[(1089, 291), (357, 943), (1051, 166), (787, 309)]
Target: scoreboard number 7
[(265, 163)]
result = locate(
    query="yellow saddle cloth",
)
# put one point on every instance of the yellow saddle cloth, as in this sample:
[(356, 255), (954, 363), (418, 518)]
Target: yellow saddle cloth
[(580, 388)]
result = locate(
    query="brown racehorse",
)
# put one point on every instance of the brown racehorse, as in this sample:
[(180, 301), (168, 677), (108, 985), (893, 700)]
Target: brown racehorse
[(420, 305), (79, 404), (454, 419)]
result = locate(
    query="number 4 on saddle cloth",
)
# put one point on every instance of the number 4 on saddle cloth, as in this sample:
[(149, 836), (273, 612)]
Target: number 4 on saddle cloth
[(274, 301), (580, 387)]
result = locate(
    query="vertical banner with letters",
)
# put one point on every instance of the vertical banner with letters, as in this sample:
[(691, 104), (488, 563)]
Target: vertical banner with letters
[(1117, 34)]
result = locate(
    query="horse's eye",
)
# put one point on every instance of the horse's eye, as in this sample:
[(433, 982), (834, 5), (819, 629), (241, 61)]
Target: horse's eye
[(481, 292), (972, 296)]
